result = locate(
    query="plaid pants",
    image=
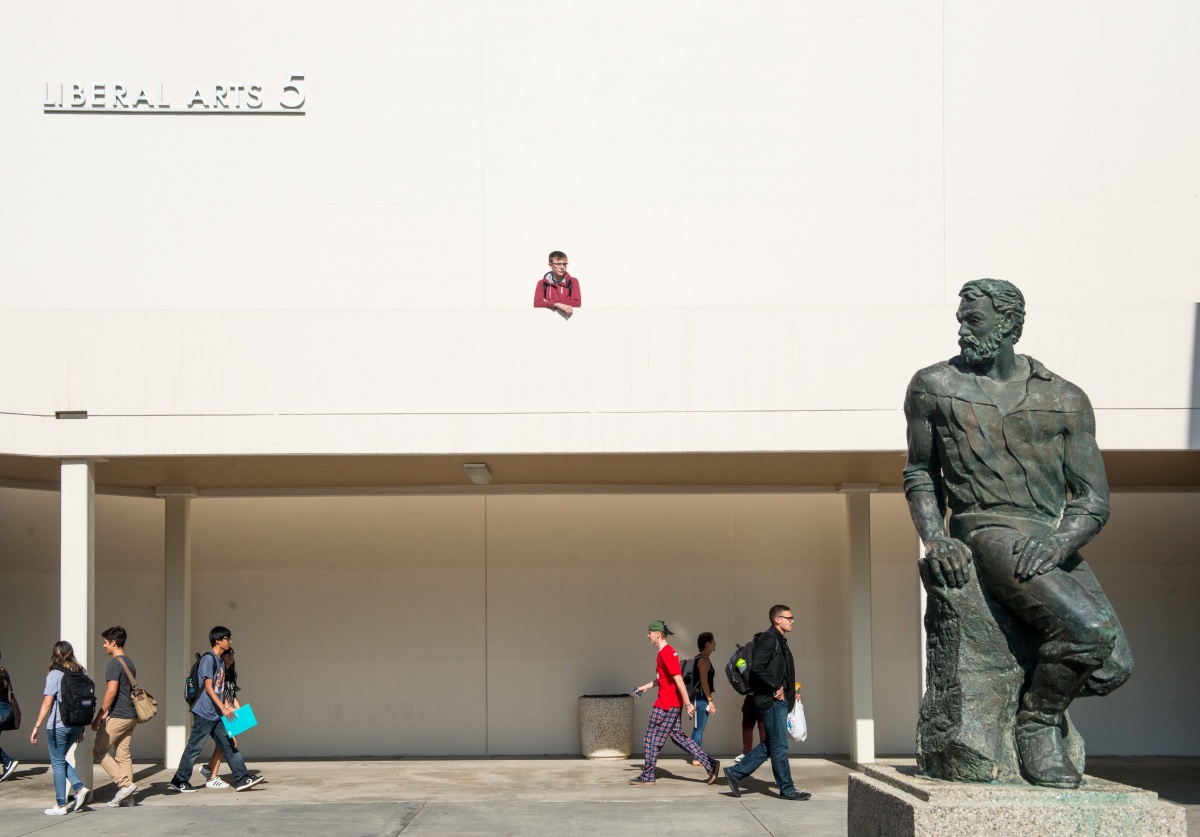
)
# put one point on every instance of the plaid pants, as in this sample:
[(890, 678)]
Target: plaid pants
[(664, 724)]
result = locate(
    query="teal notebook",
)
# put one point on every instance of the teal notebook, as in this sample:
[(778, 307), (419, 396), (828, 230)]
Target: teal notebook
[(242, 720)]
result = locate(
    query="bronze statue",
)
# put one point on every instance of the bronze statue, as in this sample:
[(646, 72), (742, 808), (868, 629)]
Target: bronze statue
[(1010, 448)]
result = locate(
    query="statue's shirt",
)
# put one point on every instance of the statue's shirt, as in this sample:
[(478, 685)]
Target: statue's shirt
[(988, 464)]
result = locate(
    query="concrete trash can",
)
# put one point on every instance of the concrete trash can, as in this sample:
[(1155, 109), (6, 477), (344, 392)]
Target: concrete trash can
[(606, 726)]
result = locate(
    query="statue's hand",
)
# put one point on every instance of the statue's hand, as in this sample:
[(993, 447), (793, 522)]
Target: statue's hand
[(1036, 556), (949, 562)]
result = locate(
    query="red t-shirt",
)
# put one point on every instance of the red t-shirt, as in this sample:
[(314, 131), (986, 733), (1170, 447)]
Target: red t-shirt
[(667, 665)]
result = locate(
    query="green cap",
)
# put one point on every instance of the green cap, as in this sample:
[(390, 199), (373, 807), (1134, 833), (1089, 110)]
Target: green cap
[(661, 626)]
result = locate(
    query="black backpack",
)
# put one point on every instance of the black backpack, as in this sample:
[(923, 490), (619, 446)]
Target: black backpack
[(737, 670), (690, 678), (193, 687), (76, 698)]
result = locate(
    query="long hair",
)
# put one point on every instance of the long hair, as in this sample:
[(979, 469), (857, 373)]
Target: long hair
[(230, 671), (63, 656)]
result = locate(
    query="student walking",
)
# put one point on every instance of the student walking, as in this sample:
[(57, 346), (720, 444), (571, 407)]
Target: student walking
[(704, 681), (59, 736), (117, 719), (209, 771), (8, 708), (773, 681), (207, 712), (665, 715), (750, 718)]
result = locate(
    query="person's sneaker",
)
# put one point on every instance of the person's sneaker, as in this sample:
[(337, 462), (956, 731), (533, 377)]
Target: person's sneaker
[(8, 771), (56, 811), (733, 785), (121, 795), (81, 797), (182, 787), (640, 781), (716, 771), (739, 758), (249, 782), (216, 782), (798, 796), (206, 773)]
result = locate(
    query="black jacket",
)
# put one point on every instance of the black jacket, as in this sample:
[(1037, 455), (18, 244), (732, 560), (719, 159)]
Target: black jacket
[(771, 667)]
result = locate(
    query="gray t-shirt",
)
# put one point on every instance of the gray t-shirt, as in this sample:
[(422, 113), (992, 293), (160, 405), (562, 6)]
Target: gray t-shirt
[(123, 706), (53, 685), (210, 669)]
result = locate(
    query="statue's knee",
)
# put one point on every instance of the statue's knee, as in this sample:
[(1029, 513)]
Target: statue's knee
[(1090, 643), (1105, 633), (1112, 673)]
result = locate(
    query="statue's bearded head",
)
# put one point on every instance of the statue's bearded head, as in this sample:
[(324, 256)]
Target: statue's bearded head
[(991, 312)]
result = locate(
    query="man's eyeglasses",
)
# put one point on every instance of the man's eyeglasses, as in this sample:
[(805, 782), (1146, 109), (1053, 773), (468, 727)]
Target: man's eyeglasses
[(789, 618)]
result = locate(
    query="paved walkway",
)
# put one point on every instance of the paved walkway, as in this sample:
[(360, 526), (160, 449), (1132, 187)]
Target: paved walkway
[(490, 797)]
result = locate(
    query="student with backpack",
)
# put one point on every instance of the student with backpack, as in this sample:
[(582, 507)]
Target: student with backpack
[(10, 718), (68, 705), (207, 711), (702, 686), (771, 677), (209, 771)]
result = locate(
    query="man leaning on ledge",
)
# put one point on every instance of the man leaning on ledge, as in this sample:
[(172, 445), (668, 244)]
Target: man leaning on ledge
[(558, 290)]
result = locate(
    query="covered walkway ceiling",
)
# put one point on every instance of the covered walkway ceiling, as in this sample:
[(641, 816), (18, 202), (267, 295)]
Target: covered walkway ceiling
[(823, 470)]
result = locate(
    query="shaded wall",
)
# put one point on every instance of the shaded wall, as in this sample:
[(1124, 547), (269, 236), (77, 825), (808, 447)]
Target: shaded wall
[(465, 625)]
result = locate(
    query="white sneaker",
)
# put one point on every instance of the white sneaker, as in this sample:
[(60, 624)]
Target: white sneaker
[(216, 782), (56, 811), (205, 772), (8, 771), (121, 795), (81, 797), (739, 758)]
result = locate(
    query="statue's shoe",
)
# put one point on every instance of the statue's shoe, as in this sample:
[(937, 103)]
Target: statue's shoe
[(1044, 757)]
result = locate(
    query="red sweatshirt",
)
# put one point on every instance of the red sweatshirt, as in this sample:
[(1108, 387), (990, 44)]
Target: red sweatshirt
[(547, 292)]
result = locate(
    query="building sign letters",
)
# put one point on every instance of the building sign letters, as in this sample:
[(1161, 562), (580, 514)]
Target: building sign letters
[(230, 98)]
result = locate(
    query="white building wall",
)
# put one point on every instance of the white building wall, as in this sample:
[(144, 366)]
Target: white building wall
[(249, 382), (771, 209), (788, 153)]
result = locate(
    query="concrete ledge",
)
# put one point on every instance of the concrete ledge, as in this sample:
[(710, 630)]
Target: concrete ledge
[(888, 801)]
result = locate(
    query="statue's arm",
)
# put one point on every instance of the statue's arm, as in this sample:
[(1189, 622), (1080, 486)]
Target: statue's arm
[(1085, 513), (947, 559)]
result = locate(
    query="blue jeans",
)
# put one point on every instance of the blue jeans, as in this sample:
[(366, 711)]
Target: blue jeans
[(776, 746), (5, 711), (202, 728), (701, 721), (59, 740)]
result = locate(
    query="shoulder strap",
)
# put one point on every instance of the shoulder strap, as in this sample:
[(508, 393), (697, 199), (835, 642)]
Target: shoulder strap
[(215, 661), (132, 679)]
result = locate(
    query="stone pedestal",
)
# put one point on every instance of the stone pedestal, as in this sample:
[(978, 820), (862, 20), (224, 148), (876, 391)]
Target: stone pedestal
[(888, 801), (606, 726), (979, 657)]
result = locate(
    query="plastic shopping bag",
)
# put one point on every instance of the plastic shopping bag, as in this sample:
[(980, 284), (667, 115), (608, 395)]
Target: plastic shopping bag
[(796, 725)]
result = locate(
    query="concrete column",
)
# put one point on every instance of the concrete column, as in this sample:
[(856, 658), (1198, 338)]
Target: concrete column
[(177, 631), (77, 582), (858, 522)]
